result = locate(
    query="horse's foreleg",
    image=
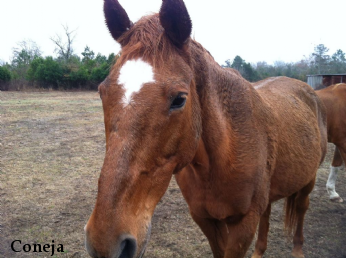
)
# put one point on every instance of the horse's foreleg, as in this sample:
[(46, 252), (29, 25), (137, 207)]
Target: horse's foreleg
[(261, 244), (216, 232), (302, 205), (241, 235), (335, 167)]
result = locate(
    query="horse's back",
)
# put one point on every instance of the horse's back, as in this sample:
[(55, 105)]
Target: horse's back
[(301, 132), (335, 93), (233, 71), (283, 92)]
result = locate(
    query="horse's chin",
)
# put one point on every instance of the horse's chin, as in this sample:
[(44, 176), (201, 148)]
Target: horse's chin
[(145, 242)]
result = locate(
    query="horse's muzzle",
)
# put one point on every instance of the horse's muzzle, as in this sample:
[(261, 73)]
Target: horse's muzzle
[(125, 248)]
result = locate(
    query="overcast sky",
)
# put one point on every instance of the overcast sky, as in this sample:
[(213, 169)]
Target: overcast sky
[(266, 30)]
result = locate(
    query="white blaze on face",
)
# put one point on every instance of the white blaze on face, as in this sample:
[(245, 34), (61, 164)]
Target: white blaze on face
[(133, 75)]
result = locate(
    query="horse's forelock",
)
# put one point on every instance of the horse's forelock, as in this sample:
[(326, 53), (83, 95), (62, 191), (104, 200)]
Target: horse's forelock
[(147, 40)]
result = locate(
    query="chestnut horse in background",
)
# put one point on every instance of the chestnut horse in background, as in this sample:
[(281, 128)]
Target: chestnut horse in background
[(169, 108), (334, 98)]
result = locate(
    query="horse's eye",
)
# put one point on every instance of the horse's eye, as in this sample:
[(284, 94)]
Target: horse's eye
[(179, 101)]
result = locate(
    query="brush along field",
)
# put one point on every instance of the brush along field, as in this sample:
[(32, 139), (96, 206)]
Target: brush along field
[(52, 147)]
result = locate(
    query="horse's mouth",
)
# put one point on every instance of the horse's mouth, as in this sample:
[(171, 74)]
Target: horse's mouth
[(145, 242)]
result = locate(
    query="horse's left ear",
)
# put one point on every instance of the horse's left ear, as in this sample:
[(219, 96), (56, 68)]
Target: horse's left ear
[(176, 21)]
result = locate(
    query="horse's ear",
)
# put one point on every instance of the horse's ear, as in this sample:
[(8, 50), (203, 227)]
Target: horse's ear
[(176, 21), (117, 19)]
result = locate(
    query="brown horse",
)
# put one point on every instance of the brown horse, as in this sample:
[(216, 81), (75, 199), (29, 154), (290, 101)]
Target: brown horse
[(169, 108), (334, 98)]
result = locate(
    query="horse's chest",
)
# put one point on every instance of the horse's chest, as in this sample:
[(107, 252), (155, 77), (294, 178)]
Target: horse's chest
[(208, 201), (219, 207)]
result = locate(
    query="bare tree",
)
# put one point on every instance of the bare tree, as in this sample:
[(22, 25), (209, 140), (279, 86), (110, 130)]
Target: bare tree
[(64, 49), (25, 52)]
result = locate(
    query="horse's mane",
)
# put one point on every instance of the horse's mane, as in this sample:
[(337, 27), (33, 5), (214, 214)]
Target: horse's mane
[(146, 39)]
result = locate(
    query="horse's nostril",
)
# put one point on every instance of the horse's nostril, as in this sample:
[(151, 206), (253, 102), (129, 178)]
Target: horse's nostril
[(128, 248)]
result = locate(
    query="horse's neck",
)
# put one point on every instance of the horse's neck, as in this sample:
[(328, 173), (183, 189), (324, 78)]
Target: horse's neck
[(228, 103), (223, 87), (229, 152)]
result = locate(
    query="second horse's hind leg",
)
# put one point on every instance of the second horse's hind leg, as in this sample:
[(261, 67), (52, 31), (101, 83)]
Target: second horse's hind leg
[(261, 243), (334, 168), (302, 205)]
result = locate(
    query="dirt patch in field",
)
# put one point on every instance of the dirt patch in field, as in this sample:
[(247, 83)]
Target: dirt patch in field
[(51, 152)]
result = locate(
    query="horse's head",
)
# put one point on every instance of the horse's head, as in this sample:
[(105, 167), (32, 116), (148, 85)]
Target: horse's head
[(152, 123)]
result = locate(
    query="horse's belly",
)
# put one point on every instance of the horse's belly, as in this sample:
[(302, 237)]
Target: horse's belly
[(299, 151), (292, 175)]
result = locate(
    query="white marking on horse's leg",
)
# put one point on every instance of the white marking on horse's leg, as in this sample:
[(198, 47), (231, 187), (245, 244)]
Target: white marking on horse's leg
[(333, 195), (133, 75)]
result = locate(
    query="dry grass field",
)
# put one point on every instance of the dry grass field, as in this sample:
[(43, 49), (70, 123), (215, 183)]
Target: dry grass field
[(51, 152)]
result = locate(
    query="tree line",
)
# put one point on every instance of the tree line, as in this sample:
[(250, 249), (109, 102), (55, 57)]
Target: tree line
[(28, 69), (319, 62), (68, 71)]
